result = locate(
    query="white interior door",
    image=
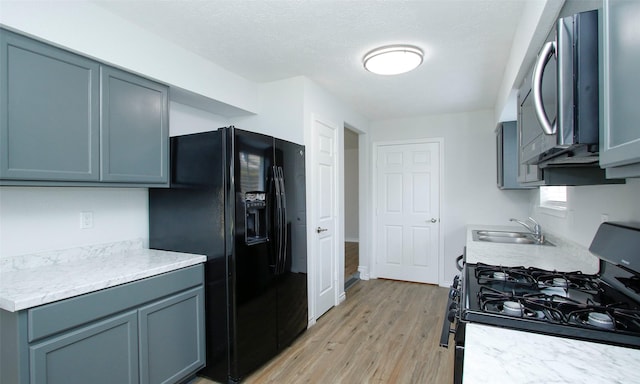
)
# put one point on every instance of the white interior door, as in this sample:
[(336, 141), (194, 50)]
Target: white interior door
[(407, 211), (325, 228)]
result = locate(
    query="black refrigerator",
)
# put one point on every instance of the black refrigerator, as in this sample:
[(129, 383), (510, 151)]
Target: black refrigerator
[(238, 197)]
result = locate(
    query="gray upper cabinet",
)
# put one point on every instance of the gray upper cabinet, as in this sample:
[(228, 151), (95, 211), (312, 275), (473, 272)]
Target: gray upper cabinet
[(507, 156), (68, 120), (135, 128), (620, 60), (49, 109)]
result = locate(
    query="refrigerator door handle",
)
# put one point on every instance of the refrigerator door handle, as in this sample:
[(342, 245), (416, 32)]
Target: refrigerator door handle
[(285, 230), (276, 178), (278, 220)]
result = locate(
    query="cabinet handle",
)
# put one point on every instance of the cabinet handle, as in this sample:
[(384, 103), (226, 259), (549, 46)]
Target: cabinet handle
[(321, 229)]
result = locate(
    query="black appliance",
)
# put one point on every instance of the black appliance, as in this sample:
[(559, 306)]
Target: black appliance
[(558, 118), (603, 307), (238, 197)]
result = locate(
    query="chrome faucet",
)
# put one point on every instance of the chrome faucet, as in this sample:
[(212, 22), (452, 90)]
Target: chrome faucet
[(536, 229)]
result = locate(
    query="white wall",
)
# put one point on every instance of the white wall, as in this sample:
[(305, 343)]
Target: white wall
[(44, 219), (586, 204), (36, 219), (351, 195), (281, 106), (184, 120), (469, 194), (93, 31)]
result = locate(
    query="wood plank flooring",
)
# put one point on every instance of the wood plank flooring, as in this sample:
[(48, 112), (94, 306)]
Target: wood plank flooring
[(351, 259), (385, 332)]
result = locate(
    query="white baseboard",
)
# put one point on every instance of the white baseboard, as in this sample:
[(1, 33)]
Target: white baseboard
[(446, 284), (352, 240), (364, 272), (342, 297)]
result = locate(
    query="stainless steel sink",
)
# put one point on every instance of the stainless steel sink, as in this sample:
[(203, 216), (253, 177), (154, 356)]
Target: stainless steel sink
[(502, 239), (502, 233), (507, 237)]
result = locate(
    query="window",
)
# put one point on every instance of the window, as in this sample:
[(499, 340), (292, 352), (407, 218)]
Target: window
[(553, 198)]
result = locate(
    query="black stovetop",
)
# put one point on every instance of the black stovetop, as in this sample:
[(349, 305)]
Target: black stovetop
[(604, 307)]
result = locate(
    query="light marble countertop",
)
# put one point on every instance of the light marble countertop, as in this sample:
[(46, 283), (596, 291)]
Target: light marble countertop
[(564, 255), (24, 285), (496, 355)]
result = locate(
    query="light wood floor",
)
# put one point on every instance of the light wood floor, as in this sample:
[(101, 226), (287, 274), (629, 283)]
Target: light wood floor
[(385, 332), (351, 259)]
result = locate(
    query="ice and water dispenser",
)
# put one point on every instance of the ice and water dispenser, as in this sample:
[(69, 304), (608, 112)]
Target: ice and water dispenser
[(256, 217)]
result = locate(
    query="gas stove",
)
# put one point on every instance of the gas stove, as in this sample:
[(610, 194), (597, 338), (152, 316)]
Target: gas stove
[(571, 304), (602, 308)]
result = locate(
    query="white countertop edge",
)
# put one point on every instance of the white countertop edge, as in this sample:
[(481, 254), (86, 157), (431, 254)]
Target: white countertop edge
[(102, 278), (96, 286), (499, 355)]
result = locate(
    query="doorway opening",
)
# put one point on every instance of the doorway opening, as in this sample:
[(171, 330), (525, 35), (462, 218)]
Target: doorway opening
[(351, 202)]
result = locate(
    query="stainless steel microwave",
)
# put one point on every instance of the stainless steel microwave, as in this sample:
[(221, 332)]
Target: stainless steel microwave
[(558, 119)]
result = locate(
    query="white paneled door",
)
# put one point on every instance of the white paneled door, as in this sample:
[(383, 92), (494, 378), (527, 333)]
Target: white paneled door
[(408, 211), (326, 218)]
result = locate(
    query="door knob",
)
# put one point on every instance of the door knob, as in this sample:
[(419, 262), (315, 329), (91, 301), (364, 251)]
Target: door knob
[(434, 220), (321, 229)]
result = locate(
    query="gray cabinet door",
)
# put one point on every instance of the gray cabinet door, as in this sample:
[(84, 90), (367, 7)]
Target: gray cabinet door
[(49, 112), (172, 337), (105, 352), (620, 60), (135, 128), (509, 167)]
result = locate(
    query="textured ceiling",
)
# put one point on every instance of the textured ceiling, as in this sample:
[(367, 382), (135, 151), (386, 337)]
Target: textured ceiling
[(467, 44)]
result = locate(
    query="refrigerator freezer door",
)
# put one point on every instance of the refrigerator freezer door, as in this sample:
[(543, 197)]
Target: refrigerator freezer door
[(253, 331), (189, 217)]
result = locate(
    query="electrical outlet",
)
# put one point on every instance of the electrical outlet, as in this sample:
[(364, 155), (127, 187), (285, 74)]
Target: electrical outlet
[(604, 217), (86, 219)]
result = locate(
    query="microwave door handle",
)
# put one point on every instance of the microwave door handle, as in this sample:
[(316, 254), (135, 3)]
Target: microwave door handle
[(564, 45), (545, 55)]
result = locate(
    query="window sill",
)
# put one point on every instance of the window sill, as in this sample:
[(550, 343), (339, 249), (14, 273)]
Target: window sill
[(553, 211)]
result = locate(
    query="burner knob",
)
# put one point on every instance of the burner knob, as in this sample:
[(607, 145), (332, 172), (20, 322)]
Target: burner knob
[(451, 316), (453, 293)]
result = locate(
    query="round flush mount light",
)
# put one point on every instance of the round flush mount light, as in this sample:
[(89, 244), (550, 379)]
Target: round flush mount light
[(393, 59)]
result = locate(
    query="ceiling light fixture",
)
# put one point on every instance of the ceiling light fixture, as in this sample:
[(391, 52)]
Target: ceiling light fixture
[(393, 59)]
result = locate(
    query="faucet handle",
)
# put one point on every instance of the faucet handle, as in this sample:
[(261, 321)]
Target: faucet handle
[(537, 227)]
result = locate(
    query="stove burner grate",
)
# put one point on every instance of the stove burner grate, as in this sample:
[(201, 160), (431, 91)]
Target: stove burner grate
[(518, 276), (531, 306)]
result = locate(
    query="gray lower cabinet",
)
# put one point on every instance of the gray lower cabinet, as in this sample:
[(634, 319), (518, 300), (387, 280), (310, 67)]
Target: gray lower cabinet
[(149, 331), (620, 117), (65, 118), (105, 352), (171, 335)]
